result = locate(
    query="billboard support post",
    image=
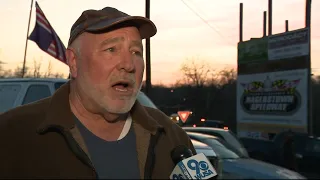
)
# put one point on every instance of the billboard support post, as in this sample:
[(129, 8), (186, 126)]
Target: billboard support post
[(310, 103)]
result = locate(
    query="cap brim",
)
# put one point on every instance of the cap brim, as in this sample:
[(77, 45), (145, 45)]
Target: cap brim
[(145, 26)]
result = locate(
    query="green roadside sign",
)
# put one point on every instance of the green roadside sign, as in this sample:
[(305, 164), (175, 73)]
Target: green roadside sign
[(254, 50)]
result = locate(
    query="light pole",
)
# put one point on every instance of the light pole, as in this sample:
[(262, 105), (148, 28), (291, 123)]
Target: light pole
[(148, 63)]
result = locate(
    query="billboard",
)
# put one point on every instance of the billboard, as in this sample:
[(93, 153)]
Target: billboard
[(289, 45), (273, 101), (255, 50), (272, 85)]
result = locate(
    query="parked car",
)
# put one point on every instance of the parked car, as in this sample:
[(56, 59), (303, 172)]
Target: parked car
[(209, 153), (225, 134), (259, 149), (211, 123), (203, 148), (307, 151), (235, 165), (20, 91)]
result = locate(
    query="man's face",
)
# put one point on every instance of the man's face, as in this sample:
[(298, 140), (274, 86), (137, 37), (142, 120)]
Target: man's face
[(110, 68)]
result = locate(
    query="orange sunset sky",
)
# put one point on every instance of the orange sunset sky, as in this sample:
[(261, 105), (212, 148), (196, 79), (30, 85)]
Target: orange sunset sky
[(181, 33)]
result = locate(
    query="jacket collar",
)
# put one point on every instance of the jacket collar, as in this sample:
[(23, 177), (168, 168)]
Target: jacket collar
[(59, 113)]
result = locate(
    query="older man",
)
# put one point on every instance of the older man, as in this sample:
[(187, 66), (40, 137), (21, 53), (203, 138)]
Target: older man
[(93, 127)]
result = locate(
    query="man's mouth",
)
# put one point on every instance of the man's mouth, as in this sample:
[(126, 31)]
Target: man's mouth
[(123, 86)]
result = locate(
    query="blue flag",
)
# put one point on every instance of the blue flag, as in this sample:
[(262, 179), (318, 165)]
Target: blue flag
[(46, 38)]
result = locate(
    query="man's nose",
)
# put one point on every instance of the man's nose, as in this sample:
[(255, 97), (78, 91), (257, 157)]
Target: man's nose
[(126, 62)]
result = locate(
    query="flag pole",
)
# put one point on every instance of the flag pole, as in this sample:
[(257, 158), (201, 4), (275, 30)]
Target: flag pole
[(25, 49)]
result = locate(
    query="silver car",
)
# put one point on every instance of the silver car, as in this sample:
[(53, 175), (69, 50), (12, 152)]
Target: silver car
[(236, 166), (224, 134), (209, 153)]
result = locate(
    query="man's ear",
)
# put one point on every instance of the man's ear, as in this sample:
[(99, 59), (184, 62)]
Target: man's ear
[(72, 63)]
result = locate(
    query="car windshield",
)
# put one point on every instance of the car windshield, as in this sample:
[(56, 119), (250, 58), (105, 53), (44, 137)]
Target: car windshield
[(228, 136), (232, 139), (222, 149)]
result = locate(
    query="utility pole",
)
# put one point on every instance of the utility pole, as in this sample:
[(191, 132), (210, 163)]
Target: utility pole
[(241, 23), (148, 62), (270, 18), (264, 23)]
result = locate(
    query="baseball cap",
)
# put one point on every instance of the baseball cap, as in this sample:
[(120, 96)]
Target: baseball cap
[(95, 21)]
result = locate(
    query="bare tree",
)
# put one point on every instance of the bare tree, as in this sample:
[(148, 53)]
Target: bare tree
[(214, 78), (1, 68), (6, 73), (17, 73), (36, 68), (195, 72), (227, 76), (48, 73), (58, 75)]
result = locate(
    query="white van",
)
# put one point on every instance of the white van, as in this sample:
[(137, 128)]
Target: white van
[(19, 91)]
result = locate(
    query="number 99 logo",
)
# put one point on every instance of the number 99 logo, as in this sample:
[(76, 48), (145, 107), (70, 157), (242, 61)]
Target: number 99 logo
[(197, 166)]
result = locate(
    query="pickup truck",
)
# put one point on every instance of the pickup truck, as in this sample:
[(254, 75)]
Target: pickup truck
[(19, 91)]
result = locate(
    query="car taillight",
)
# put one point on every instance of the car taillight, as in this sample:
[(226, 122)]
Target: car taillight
[(194, 125), (225, 128)]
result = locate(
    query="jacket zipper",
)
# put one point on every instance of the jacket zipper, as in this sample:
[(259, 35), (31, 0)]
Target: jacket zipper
[(150, 162), (87, 159)]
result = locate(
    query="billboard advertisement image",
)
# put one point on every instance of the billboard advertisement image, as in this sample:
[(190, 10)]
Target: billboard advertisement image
[(273, 101)]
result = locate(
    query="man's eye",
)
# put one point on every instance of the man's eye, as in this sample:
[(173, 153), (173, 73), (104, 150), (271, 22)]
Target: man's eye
[(112, 49), (138, 53)]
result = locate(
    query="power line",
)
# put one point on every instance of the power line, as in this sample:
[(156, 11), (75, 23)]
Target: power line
[(206, 22)]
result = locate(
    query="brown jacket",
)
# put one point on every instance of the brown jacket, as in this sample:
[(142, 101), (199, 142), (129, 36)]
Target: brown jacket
[(40, 140)]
